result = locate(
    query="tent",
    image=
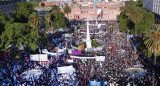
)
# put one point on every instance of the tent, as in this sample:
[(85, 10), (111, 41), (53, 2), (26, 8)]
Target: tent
[(34, 73), (66, 69), (94, 83)]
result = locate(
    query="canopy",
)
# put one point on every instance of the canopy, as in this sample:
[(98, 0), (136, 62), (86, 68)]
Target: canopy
[(66, 69), (136, 72), (35, 73), (67, 35), (49, 53), (94, 83)]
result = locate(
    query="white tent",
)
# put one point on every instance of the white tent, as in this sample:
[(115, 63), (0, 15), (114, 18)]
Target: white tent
[(39, 57), (66, 69), (34, 73), (49, 53), (67, 35)]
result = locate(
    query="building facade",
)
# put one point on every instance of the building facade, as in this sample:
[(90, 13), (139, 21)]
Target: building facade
[(89, 11), (7, 6), (153, 6)]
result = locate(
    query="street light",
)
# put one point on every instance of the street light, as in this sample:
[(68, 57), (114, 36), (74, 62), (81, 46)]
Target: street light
[(42, 4)]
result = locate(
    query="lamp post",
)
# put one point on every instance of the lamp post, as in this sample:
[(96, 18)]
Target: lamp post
[(42, 4)]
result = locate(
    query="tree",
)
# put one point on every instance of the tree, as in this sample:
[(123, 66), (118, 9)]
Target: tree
[(18, 34), (67, 10), (61, 20), (55, 10), (123, 22), (48, 19), (146, 23), (152, 41), (23, 11), (147, 18), (136, 17), (4, 20), (36, 22), (128, 12)]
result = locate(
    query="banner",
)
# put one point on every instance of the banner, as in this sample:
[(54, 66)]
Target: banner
[(39, 57), (66, 69), (100, 58), (76, 52)]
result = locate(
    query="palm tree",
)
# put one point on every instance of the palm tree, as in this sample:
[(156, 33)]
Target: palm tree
[(128, 11), (48, 18), (55, 10), (136, 17), (36, 22), (67, 10), (152, 41)]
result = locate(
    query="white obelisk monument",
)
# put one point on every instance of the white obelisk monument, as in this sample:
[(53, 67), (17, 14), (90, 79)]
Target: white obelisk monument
[(88, 40)]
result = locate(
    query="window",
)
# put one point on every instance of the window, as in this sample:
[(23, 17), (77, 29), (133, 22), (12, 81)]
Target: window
[(105, 7), (91, 7)]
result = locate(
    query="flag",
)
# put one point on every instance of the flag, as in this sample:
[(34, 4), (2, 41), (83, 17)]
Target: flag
[(95, 3)]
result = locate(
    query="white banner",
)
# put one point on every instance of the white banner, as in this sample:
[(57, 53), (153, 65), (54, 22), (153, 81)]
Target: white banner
[(70, 60), (66, 69), (39, 57), (100, 58)]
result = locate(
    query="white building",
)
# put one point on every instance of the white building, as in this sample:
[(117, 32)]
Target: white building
[(152, 5)]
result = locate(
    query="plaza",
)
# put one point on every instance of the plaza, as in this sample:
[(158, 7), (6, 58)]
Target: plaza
[(84, 43)]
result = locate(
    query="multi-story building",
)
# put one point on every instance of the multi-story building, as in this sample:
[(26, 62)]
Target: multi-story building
[(153, 6), (89, 11), (8, 6)]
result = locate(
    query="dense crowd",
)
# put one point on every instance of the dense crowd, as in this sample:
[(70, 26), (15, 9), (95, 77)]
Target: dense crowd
[(119, 57)]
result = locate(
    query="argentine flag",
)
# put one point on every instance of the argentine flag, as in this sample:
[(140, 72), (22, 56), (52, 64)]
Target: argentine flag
[(95, 3)]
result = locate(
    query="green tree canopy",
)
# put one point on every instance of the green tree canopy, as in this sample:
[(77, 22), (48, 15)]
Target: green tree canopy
[(152, 41), (55, 19), (67, 10), (23, 11), (4, 19), (61, 20), (138, 17), (17, 34), (55, 10), (48, 20), (35, 22)]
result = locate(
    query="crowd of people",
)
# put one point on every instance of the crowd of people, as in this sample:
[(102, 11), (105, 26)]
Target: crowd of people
[(119, 57)]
